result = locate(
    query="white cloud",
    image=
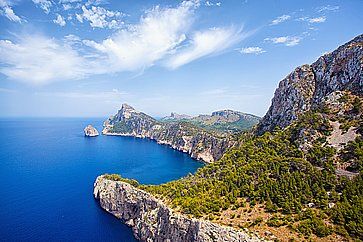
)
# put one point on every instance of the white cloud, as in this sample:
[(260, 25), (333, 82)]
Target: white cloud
[(162, 36), (252, 50), (157, 34), (60, 20), (280, 19), (70, 1), (286, 40), (100, 17), (320, 19), (317, 20), (204, 43), (39, 60), (328, 8), (43, 4), (211, 4), (7, 11)]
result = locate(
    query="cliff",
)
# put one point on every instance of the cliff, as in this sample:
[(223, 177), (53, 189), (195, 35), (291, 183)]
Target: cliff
[(152, 220), (90, 131), (201, 144), (306, 87), (269, 181)]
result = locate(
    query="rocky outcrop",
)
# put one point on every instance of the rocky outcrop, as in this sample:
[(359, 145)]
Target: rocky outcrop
[(90, 131), (201, 144), (151, 220), (306, 87), (176, 117)]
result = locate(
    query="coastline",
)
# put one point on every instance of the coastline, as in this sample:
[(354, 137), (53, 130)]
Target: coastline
[(152, 220)]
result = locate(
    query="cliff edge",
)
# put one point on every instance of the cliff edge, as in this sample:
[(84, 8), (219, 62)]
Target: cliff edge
[(152, 220)]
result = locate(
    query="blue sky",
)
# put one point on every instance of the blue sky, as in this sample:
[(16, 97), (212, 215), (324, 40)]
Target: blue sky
[(75, 58)]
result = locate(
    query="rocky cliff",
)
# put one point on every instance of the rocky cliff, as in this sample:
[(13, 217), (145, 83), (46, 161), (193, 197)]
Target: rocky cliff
[(152, 220), (305, 88), (90, 131), (201, 144)]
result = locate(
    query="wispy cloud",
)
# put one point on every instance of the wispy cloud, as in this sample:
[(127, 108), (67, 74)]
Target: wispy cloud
[(205, 43), (317, 19), (211, 4), (7, 11), (60, 20), (328, 8), (38, 60), (251, 50), (43, 4), (163, 36), (286, 40), (280, 19), (100, 17), (157, 35), (320, 19)]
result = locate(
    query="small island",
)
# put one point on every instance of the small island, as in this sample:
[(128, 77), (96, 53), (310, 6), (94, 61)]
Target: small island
[(90, 131)]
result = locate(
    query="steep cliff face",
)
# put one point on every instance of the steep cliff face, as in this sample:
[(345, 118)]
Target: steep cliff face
[(152, 220), (183, 136), (306, 87)]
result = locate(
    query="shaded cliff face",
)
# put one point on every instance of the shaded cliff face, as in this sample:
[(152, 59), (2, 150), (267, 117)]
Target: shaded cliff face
[(305, 88), (152, 220), (201, 144)]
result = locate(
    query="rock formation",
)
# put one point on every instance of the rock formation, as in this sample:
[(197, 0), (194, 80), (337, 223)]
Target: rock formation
[(201, 144), (306, 87), (90, 131), (151, 220), (176, 117)]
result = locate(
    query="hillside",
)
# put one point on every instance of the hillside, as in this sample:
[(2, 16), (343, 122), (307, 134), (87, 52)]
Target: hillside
[(203, 141), (219, 121), (299, 175)]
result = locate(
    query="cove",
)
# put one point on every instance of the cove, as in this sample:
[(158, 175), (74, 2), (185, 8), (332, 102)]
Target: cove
[(47, 169)]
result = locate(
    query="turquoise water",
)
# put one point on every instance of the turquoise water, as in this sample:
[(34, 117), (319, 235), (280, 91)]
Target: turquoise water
[(47, 170)]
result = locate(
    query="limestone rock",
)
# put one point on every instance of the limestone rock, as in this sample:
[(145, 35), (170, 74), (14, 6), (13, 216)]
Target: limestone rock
[(305, 88), (182, 136), (90, 131), (152, 221)]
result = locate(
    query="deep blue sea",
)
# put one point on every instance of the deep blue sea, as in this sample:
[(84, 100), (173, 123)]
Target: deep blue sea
[(47, 171)]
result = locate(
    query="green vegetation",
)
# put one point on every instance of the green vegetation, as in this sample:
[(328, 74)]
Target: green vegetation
[(232, 127), (116, 177), (272, 170)]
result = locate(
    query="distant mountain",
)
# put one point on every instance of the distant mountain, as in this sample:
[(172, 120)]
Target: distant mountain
[(226, 121), (176, 117), (201, 144), (219, 121)]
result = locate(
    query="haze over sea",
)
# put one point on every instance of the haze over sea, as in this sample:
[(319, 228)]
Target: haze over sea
[(47, 169)]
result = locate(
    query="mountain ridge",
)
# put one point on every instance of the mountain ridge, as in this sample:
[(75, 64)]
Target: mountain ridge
[(305, 87), (202, 142), (298, 175)]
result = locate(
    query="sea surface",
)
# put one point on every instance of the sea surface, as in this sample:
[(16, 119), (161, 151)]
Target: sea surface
[(47, 171)]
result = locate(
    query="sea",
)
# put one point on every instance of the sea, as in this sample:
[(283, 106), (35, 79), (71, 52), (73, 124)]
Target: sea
[(48, 168)]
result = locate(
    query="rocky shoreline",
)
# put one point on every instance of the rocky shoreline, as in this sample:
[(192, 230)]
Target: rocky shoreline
[(199, 144), (152, 220)]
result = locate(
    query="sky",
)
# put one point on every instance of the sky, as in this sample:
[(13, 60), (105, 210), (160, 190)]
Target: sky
[(84, 58)]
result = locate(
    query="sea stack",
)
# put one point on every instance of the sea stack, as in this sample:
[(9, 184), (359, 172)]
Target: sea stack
[(90, 131)]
